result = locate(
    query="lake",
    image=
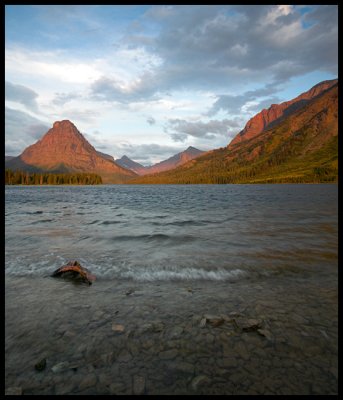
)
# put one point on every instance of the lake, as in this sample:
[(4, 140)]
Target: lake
[(201, 289)]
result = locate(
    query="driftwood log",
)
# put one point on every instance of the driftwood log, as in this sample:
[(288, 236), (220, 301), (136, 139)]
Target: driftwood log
[(75, 271)]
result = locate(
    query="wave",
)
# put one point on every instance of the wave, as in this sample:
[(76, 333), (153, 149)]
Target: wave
[(147, 274), (42, 221), (181, 223), (157, 237), (106, 269)]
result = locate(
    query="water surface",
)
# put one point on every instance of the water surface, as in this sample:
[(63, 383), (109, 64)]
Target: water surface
[(169, 261)]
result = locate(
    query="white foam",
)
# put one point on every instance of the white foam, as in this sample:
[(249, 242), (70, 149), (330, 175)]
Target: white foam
[(146, 274), (108, 269)]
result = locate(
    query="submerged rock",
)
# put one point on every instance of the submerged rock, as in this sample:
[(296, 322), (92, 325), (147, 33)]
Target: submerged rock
[(214, 320), (249, 324), (119, 328), (14, 390), (60, 366), (40, 366), (138, 385), (75, 271), (200, 381), (265, 333)]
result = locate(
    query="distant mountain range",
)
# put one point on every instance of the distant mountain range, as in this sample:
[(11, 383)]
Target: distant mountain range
[(178, 159), (295, 141), (64, 149)]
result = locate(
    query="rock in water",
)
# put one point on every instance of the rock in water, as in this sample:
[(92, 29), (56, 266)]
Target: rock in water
[(75, 271), (40, 365)]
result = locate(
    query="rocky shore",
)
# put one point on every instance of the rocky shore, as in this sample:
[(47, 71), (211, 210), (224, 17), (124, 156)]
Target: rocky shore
[(277, 336)]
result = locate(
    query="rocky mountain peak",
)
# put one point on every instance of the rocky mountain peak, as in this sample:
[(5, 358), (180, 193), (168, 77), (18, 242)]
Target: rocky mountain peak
[(64, 148)]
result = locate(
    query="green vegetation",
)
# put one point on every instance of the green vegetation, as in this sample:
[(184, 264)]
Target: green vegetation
[(301, 149), (283, 165), (26, 178)]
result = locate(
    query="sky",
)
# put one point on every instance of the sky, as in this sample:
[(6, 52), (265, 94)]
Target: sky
[(150, 81)]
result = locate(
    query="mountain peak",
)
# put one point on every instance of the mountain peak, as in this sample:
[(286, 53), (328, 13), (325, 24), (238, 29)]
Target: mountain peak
[(63, 123), (65, 127), (63, 147)]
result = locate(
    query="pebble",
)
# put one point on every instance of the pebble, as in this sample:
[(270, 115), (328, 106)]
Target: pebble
[(40, 366), (124, 356), (14, 390), (203, 323), (175, 332), (65, 388), (182, 366), (249, 324), (228, 362), (168, 354), (60, 366), (214, 320), (199, 381), (242, 351), (118, 328), (138, 386), (117, 387), (265, 333), (88, 381)]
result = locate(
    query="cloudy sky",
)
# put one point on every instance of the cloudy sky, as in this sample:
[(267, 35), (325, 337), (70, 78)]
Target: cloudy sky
[(149, 81)]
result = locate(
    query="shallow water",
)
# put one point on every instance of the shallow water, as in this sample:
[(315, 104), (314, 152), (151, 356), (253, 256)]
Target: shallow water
[(165, 257)]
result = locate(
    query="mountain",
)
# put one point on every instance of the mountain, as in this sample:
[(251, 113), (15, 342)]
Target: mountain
[(7, 158), (64, 149), (107, 156), (134, 166), (277, 112), (178, 159), (301, 147)]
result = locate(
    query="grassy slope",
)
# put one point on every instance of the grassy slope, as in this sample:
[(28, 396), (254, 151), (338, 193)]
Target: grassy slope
[(303, 148)]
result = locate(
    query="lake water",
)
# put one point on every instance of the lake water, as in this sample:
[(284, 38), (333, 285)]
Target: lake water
[(168, 255)]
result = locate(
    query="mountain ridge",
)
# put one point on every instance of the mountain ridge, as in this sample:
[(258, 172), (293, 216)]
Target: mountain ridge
[(302, 147), (170, 163), (267, 118)]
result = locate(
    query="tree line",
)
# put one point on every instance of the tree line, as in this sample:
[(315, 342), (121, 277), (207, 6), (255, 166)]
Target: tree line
[(37, 178)]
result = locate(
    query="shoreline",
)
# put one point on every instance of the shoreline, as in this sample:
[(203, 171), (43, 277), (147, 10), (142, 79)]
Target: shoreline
[(273, 336)]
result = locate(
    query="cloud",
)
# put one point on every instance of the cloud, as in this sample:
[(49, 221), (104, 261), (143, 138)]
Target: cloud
[(151, 121), (21, 94), (233, 104), (21, 130), (140, 89), (81, 115), (180, 129), (61, 98), (178, 63), (47, 66), (230, 45), (258, 106)]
